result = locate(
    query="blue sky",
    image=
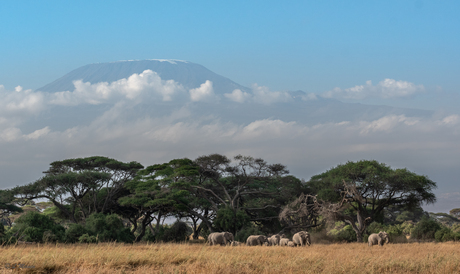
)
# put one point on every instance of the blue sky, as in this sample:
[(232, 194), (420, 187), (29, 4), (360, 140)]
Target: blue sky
[(308, 45), (395, 53)]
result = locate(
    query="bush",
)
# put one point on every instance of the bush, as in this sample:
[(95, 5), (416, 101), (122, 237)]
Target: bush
[(87, 239), (229, 220), (49, 237), (32, 226), (444, 234), (108, 228), (346, 234), (249, 230), (407, 227), (425, 229), (74, 232), (150, 237), (343, 233), (178, 232)]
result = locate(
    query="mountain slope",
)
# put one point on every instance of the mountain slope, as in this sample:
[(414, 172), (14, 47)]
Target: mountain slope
[(190, 75)]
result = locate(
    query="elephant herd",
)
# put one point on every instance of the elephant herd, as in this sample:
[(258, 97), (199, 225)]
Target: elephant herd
[(301, 238)]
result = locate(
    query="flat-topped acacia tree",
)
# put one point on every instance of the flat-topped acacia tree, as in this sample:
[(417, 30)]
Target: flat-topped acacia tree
[(157, 192), (239, 191), (357, 192), (81, 186)]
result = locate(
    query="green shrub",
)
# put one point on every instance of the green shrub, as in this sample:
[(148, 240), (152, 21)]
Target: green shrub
[(178, 232), (407, 227), (108, 228), (229, 220), (425, 229), (49, 237), (87, 239), (346, 234), (74, 232), (248, 230), (32, 225), (375, 227), (149, 236), (342, 232), (444, 234)]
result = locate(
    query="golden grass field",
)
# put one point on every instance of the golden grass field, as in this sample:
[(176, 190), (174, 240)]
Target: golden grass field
[(200, 258)]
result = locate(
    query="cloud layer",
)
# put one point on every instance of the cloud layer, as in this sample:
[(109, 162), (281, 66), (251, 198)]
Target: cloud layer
[(127, 128), (386, 89)]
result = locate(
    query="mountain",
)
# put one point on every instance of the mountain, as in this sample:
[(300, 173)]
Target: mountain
[(189, 74), (306, 111)]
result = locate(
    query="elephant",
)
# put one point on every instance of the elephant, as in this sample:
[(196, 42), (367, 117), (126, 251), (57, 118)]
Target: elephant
[(256, 240), (284, 241), (274, 240), (301, 238), (291, 244), (379, 239), (220, 238)]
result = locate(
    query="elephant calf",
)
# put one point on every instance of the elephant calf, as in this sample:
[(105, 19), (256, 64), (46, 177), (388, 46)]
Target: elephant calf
[(236, 243), (379, 239), (291, 244), (284, 241)]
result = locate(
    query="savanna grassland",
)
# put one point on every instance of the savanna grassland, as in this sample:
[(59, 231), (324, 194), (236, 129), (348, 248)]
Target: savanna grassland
[(198, 258)]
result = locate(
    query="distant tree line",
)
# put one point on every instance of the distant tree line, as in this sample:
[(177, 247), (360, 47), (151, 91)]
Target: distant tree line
[(98, 199)]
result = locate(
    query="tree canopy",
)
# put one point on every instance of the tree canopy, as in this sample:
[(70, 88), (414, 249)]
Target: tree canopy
[(358, 192), (101, 196)]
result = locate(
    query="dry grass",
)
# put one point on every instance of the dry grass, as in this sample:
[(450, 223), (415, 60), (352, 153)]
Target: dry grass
[(197, 258)]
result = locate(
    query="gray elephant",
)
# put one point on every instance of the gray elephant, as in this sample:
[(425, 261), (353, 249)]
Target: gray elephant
[(256, 240), (301, 238), (291, 244), (284, 241), (220, 238), (274, 240), (379, 239)]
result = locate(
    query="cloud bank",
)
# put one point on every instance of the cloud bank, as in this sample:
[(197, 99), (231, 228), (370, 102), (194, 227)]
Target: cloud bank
[(127, 130), (386, 89)]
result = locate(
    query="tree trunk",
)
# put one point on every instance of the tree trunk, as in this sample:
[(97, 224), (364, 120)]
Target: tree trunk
[(362, 224), (144, 224)]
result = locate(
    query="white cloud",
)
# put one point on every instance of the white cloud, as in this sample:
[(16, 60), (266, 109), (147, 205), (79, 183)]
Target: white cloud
[(387, 123), (309, 97), (38, 133), (147, 83), (20, 102), (10, 134), (238, 96), (260, 95), (451, 120), (264, 96), (386, 89), (268, 128), (203, 93)]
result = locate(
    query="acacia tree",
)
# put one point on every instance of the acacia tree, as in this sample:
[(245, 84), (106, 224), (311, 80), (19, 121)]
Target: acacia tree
[(157, 192), (301, 214), (7, 206), (238, 191), (455, 212), (82, 186), (357, 192)]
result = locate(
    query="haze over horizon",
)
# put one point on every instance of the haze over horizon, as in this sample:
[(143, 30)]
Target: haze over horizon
[(310, 85)]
